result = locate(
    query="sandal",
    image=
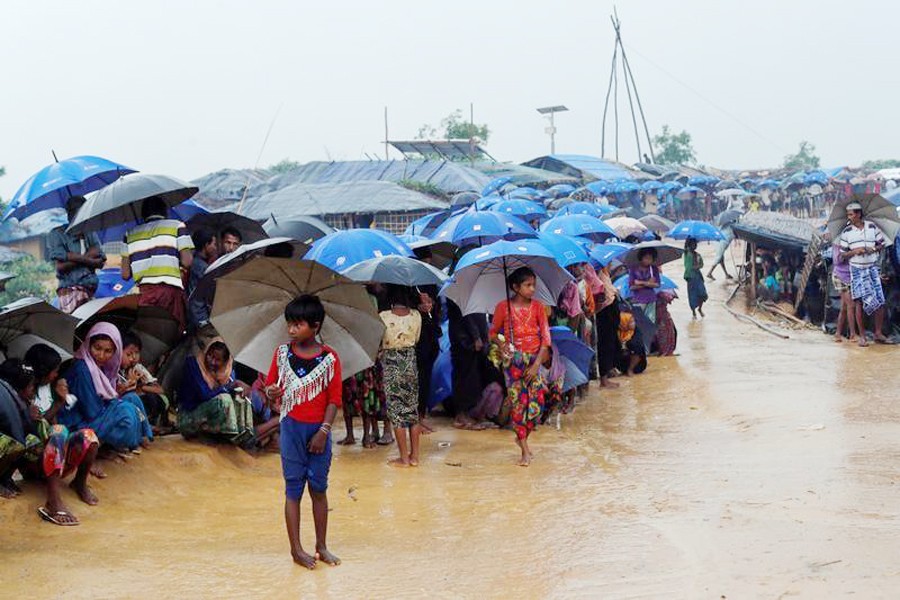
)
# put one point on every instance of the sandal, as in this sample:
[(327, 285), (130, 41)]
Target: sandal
[(54, 518)]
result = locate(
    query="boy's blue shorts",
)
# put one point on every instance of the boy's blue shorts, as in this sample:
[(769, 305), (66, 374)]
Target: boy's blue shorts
[(299, 464)]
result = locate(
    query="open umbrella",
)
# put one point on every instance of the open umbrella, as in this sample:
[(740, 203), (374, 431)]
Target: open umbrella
[(580, 226), (485, 202), (602, 254), (464, 199), (572, 348), (159, 331), (249, 312), (665, 285), (567, 250), (442, 253), (599, 188), (728, 218), (560, 189), (427, 224), (590, 209), (651, 186), (482, 227), (626, 226), (39, 322), (399, 270), (345, 248), (52, 186), (686, 193), (250, 230), (699, 230), (657, 223), (524, 209), (303, 229), (874, 208), (495, 185), (229, 262), (120, 202), (664, 253), (182, 212), (479, 282), (731, 193)]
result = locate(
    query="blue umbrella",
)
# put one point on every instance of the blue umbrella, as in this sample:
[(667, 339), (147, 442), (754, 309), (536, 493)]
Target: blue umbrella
[(482, 227), (565, 249), (814, 177), (52, 186), (479, 281), (111, 284), (768, 183), (524, 209), (182, 212), (525, 193), (665, 285), (892, 196), (427, 224), (602, 254), (441, 378), (579, 226), (495, 184), (626, 186), (590, 209), (600, 188), (651, 186), (488, 201), (343, 249), (573, 377), (572, 348), (699, 230), (672, 187)]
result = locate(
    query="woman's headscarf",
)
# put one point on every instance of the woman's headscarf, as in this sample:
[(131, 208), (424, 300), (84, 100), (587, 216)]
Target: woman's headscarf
[(104, 376), (214, 379)]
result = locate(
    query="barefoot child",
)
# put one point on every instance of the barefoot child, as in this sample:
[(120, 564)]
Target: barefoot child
[(401, 376), (134, 377), (523, 322), (305, 377)]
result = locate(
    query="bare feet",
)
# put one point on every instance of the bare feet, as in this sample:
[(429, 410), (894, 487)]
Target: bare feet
[(6, 492), (839, 339), (700, 310), (863, 342), (368, 441), (608, 384), (303, 559), (425, 428), (85, 492), (710, 277), (349, 440), (323, 554), (525, 460), (387, 439), (399, 462), (98, 472), (145, 443)]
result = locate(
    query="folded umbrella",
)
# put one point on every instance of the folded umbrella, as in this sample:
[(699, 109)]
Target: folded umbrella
[(302, 229), (250, 230), (249, 312), (120, 202), (657, 223), (52, 186), (398, 270), (343, 249), (874, 208), (479, 282), (159, 331), (664, 253), (40, 322), (699, 230), (229, 262), (579, 226)]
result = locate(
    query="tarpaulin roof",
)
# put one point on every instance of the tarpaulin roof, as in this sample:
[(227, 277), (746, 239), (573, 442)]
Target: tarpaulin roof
[(582, 166), (36, 225), (522, 175), (8, 255), (774, 230), (359, 197)]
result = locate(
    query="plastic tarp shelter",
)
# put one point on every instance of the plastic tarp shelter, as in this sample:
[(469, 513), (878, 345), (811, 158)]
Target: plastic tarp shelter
[(586, 168), (774, 231)]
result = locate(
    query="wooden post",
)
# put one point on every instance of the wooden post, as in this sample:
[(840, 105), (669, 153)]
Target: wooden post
[(753, 272)]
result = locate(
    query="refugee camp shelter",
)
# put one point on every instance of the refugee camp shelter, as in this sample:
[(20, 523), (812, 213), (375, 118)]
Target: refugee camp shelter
[(584, 167)]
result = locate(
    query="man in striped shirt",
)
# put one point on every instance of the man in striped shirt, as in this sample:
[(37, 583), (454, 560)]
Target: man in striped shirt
[(156, 251)]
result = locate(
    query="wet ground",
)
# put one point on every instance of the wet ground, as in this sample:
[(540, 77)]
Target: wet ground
[(746, 467)]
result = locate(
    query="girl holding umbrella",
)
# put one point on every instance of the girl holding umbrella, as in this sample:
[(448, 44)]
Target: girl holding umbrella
[(693, 274)]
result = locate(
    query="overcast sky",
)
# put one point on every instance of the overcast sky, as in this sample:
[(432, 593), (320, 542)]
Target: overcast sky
[(186, 88)]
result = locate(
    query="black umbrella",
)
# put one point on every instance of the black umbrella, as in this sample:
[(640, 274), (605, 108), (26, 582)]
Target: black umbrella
[(120, 202), (664, 253), (32, 320), (250, 230), (303, 229)]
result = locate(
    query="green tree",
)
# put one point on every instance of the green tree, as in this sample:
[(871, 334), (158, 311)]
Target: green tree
[(805, 158), (884, 163), (455, 127), (674, 148), (285, 165), (31, 279)]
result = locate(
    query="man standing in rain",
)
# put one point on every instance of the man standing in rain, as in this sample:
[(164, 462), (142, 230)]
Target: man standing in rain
[(77, 258), (231, 240), (861, 244), (156, 252)]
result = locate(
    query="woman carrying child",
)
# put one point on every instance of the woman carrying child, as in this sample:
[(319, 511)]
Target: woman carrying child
[(523, 322)]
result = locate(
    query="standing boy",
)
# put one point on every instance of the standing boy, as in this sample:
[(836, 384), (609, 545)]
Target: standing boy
[(305, 379)]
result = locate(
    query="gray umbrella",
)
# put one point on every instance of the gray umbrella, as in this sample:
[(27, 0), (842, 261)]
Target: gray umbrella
[(39, 321), (120, 202), (303, 229), (250, 230), (664, 253), (278, 247), (249, 312), (874, 208), (399, 270), (727, 218), (656, 223)]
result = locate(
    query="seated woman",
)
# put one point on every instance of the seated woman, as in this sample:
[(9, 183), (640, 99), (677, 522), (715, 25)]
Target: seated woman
[(209, 399), (118, 421), (38, 448)]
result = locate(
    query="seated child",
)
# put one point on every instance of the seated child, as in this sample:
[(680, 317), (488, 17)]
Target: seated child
[(134, 377)]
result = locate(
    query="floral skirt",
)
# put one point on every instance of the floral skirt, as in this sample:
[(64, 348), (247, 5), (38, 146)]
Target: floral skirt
[(223, 415), (401, 386), (363, 394), (525, 399)]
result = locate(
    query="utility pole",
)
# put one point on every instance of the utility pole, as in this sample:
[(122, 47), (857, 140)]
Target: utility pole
[(552, 110)]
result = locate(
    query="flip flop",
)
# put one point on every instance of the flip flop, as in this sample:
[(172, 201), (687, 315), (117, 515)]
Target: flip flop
[(885, 341), (45, 515)]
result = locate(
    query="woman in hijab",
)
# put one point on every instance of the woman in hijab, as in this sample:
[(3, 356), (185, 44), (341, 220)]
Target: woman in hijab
[(119, 422), (210, 399)]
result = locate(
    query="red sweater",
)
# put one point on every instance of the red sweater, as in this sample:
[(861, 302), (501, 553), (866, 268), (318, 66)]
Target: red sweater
[(313, 410)]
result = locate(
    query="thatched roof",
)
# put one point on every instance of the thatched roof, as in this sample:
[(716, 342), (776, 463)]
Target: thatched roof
[(774, 230)]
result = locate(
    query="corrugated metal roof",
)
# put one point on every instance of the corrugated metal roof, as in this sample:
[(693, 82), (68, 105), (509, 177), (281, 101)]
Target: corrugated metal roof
[(362, 197)]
